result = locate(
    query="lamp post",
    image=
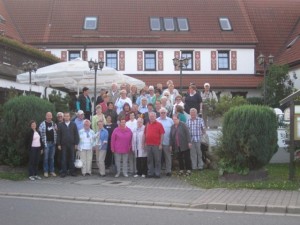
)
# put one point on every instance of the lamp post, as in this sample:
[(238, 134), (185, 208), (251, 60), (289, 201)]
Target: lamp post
[(94, 65), (30, 67), (183, 62), (262, 62)]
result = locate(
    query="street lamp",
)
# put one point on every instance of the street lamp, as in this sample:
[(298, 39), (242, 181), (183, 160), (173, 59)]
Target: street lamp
[(183, 62), (94, 65), (30, 67), (262, 62)]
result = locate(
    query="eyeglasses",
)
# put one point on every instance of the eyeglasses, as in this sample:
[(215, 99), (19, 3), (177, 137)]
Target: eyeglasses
[(167, 95), (162, 112)]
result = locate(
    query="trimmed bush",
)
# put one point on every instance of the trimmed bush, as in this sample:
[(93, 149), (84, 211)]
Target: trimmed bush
[(249, 139), (17, 113)]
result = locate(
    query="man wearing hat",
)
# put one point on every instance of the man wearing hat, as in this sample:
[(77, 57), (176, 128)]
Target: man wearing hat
[(84, 103)]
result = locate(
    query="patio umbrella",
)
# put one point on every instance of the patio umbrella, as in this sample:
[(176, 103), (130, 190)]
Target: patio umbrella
[(74, 75)]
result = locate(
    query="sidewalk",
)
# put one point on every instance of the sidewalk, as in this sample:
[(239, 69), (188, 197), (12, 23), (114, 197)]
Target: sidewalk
[(166, 191)]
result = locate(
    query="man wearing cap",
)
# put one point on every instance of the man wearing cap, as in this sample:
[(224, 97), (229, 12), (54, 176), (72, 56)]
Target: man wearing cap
[(207, 95), (84, 103), (79, 120)]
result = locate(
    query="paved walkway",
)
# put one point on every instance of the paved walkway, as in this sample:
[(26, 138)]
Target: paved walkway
[(167, 191)]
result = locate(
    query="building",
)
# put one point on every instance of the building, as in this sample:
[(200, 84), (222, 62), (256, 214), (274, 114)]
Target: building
[(140, 38)]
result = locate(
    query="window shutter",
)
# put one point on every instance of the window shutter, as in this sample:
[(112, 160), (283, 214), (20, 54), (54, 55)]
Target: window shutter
[(176, 55), (101, 55), (197, 60), (121, 60), (63, 56), (233, 60), (160, 60), (213, 60), (139, 61)]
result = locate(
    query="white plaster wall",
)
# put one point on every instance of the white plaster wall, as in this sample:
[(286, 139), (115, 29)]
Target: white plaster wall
[(245, 60)]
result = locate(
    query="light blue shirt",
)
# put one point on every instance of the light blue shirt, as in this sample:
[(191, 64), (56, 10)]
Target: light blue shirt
[(167, 124)]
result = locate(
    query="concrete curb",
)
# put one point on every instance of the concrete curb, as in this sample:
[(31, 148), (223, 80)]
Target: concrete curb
[(280, 209)]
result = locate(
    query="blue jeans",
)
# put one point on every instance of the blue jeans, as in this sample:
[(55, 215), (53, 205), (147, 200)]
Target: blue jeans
[(49, 153)]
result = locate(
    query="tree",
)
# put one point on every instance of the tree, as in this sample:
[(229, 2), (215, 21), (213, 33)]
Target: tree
[(60, 103), (278, 84)]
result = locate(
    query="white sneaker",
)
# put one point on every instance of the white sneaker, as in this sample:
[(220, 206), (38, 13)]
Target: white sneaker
[(125, 175), (31, 178), (37, 177), (136, 175), (143, 176), (46, 174), (117, 175), (53, 174)]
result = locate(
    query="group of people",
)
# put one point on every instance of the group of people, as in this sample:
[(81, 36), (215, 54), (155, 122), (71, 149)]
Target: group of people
[(137, 132)]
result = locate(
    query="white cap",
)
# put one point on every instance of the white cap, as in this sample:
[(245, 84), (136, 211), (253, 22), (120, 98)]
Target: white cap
[(207, 84), (80, 112)]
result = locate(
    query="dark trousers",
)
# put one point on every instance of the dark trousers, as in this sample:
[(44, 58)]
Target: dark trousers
[(67, 158), (184, 159), (87, 115), (141, 166), (108, 158), (34, 156)]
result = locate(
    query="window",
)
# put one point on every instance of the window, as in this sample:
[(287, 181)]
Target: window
[(188, 54), (150, 60), (155, 23), (169, 24), (74, 55), (90, 23), (223, 60), (293, 41), (182, 24), (225, 23), (112, 59)]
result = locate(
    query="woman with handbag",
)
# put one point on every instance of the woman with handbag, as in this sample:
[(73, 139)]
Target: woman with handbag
[(85, 146)]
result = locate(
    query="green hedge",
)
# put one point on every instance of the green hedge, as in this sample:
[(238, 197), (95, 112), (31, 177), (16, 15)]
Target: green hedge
[(17, 112), (249, 139)]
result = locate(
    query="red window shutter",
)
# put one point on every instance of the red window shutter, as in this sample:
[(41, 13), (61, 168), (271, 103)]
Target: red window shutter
[(101, 55), (213, 60), (139, 61), (160, 60), (122, 60), (197, 60), (233, 60), (176, 55), (64, 56)]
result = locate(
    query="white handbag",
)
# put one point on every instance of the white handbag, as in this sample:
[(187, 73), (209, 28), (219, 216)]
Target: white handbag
[(78, 163)]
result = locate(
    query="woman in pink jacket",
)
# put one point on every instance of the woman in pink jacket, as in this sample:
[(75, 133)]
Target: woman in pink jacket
[(120, 146)]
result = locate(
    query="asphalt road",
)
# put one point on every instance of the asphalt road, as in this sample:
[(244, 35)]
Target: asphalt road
[(26, 211)]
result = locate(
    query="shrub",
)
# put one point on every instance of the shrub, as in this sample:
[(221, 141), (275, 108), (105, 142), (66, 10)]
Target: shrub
[(61, 104), (255, 101), (218, 109), (17, 112), (249, 139)]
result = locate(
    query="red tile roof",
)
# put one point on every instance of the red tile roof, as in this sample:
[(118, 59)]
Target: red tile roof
[(127, 22), (8, 26), (216, 81), (273, 21)]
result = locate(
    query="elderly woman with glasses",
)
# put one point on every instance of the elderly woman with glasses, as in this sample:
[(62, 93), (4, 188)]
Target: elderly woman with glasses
[(85, 147)]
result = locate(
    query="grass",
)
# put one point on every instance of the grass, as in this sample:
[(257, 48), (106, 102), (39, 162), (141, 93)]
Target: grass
[(277, 179), (15, 176)]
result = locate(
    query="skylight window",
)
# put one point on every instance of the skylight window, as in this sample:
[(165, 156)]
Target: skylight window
[(90, 23), (2, 20), (225, 23), (169, 24), (182, 24), (293, 41), (155, 23)]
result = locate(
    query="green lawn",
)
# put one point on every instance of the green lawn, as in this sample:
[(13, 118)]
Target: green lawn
[(277, 179), (13, 175)]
